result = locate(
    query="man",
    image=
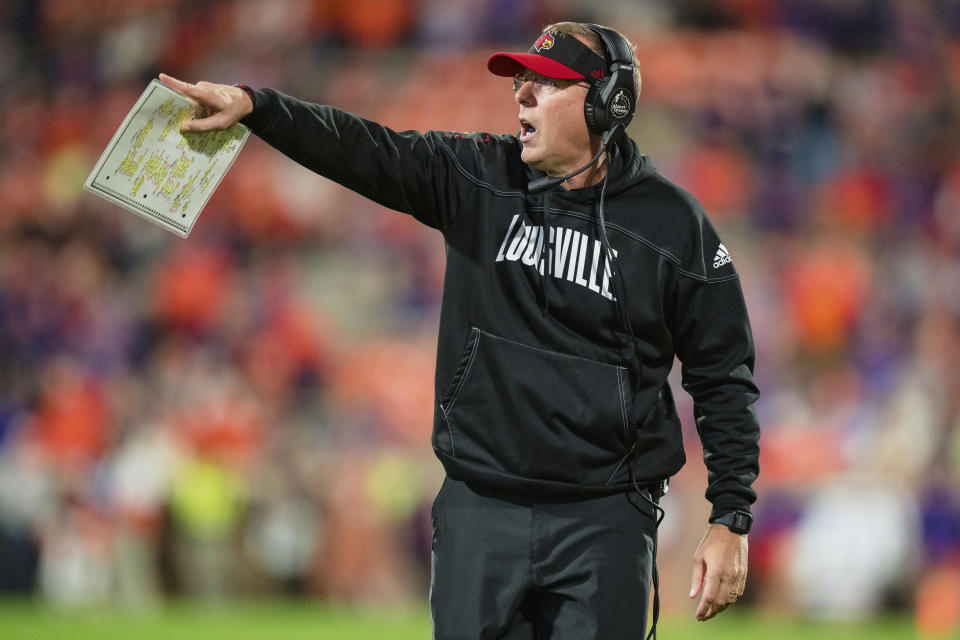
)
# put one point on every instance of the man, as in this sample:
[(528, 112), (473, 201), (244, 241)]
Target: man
[(562, 311)]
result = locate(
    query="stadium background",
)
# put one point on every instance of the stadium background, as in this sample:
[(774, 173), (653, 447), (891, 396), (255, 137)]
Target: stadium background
[(246, 413)]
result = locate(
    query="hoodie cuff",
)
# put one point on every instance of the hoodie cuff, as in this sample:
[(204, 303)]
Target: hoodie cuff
[(724, 504), (253, 119)]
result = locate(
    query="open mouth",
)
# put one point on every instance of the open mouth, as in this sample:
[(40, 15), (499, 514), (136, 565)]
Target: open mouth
[(526, 131)]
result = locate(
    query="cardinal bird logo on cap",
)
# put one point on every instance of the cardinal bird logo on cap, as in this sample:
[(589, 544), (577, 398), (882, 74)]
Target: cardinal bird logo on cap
[(544, 42)]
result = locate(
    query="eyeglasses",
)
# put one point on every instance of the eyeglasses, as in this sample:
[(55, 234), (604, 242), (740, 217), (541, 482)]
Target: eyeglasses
[(542, 83)]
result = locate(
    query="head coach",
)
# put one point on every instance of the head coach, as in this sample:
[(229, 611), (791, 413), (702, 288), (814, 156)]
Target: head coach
[(575, 273)]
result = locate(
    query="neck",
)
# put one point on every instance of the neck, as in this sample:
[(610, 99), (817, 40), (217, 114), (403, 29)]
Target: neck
[(588, 178), (593, 175)]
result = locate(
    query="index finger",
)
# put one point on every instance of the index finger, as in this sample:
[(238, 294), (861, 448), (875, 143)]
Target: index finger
[(180, 86)]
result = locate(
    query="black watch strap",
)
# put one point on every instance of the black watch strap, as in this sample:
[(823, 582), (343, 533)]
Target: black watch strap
[(737, 521)]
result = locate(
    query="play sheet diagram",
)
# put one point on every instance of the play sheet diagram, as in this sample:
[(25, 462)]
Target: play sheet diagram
[(153, 170)]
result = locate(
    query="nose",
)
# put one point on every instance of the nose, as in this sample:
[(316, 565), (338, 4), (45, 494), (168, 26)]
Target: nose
[(524, 95)]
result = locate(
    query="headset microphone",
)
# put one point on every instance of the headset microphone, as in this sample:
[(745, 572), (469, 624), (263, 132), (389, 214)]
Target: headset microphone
[(546, 183)]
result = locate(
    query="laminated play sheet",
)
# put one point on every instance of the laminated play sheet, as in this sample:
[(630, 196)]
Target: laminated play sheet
[(154, 170)]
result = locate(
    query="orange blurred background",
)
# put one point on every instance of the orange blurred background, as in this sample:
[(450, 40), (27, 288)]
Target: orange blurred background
[(247, 411)]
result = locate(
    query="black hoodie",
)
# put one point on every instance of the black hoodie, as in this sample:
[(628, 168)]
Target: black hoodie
[(537, 392)]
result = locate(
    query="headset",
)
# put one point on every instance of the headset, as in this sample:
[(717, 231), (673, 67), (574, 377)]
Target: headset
[(608, 106), (612, 98)]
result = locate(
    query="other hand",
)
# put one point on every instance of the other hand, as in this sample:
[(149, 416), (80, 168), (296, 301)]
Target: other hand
[(224, 105), (719, 570)]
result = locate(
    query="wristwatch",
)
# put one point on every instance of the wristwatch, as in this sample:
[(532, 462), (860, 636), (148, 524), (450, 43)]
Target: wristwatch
[(737, 521)]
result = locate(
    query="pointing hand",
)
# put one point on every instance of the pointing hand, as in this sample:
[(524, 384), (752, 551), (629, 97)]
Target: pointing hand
[(224, 105)]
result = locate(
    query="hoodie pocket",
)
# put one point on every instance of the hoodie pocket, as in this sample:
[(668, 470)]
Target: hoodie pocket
[(524, 411)]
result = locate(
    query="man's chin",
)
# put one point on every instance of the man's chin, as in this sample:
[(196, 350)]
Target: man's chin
[(532, 158)]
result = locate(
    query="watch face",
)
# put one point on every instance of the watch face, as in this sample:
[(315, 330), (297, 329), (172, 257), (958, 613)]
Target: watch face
[(741, 522)]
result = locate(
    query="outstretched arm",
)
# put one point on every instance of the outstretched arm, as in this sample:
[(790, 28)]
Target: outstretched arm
[(225, 105), (407, 171)]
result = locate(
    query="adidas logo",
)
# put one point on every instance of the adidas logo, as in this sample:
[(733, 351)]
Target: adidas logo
[(722, 257)]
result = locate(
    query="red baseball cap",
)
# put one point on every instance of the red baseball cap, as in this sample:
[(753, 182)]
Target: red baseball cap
[(555, 55)]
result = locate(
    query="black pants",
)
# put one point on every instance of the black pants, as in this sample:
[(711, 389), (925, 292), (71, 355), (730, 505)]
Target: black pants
[(511, 569)]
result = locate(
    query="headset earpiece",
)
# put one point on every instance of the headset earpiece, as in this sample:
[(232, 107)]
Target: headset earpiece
[(611, 99), (593, 107)]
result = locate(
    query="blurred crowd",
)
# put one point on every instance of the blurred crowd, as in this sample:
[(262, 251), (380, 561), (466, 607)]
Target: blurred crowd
[(248, 411)]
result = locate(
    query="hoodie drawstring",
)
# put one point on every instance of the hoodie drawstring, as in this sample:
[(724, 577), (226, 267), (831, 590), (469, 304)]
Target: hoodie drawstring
[(545, 253)]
